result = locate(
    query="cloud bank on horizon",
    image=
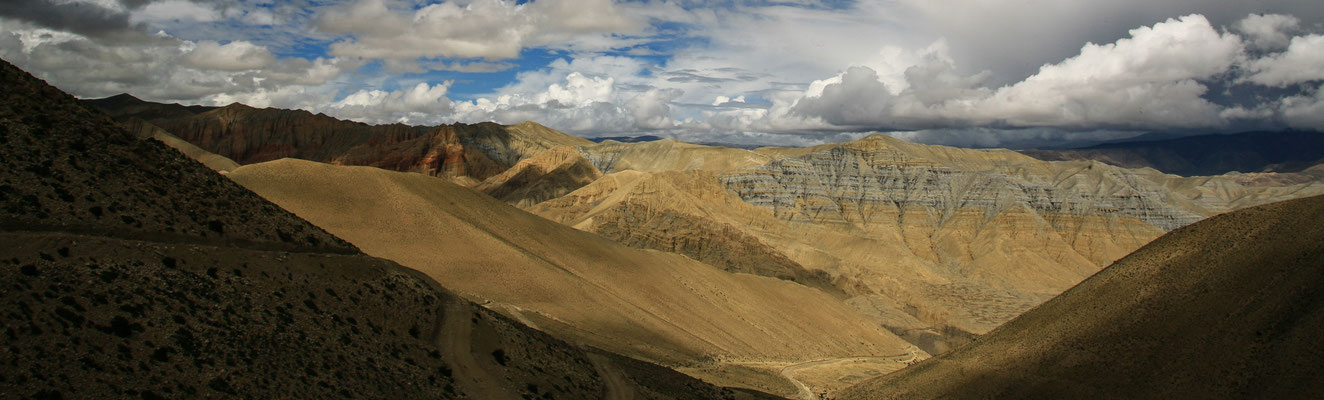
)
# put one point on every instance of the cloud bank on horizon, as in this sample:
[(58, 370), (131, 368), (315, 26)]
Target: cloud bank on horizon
[(995, 73)]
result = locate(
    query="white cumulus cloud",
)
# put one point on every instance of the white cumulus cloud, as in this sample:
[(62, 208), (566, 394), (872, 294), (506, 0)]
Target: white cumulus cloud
[(1148, 80), (489, 29), (1303, 61), (1268, 31), (233, 56), (419, 104)]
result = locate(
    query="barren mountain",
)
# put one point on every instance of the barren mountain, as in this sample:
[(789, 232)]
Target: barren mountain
[(1229, 307), (1286, 151), (936, 243), (466, 154), (133, 271), (546, 175), (658, 306)]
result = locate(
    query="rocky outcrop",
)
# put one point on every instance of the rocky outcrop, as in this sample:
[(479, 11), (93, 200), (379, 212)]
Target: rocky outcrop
[(870, 181)]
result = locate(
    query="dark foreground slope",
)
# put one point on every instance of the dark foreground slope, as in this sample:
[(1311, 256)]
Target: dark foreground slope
[(1286, 151), (132, 271), (1230, 307)]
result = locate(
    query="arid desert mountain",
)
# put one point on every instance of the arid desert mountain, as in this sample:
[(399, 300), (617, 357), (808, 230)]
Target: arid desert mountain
[(653, 305), (936, 243), (1230, 307), (544, 176), (933, 242), (466, 154), (1285, 151), (133, 271)]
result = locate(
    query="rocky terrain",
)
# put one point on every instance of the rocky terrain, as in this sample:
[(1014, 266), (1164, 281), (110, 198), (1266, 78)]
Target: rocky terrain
[(134, 272), (935, 244), (466, 154), (1226, 308), (1286, 151)]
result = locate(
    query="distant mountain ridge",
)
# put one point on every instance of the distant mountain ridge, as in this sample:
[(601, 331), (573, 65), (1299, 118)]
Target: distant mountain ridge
[(464, 153), (1261, 151), (626, 139)]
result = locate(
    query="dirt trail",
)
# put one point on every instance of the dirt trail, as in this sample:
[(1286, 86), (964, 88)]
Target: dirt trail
[(618, 386), (455, 337), (513, 310), (806, 393)]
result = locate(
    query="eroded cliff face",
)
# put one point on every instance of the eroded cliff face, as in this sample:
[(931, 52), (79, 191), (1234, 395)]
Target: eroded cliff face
[(956, 238), (464, 153), (870, 182)]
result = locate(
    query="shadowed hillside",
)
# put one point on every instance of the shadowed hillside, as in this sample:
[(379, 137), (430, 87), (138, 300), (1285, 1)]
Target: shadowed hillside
[(1230, 307), (134, 272), (546, 175), (1288, 151)]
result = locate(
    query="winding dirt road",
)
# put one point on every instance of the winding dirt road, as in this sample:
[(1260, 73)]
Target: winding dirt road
[(806, 393)]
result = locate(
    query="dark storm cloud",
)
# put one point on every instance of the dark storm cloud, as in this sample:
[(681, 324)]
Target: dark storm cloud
[(89, 20)]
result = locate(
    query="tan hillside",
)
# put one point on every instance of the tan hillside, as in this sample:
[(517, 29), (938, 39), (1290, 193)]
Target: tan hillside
[(576, 285), (1226, 308), (134, 272), (546, 175), (534, 134), (688, 213), (933, 242)]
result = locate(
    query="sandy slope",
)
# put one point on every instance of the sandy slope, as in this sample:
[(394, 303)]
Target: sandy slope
[(656, 305), (1229, 307)]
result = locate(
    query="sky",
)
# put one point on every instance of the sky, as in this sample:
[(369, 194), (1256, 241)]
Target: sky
[(974, 73)]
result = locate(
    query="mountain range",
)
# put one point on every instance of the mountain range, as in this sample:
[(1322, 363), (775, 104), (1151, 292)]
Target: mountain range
[(515, 261), (937, 245)]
